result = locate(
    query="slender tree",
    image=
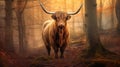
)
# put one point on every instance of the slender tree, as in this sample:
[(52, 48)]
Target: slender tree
[(8, 26), (100, 15), (95, 47), (21, 4), (117, 8), (73, 18), (112, 13)]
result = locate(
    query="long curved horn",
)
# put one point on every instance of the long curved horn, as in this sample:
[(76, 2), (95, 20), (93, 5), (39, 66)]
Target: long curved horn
[(73, 13), (48, 12)]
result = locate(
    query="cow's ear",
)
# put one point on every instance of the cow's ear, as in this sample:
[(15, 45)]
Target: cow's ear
[(53, 16), (68, 17)]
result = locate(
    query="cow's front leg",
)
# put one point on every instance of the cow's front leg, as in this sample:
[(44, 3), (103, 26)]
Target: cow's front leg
[(56, 52), (62, 51), (48, 49)]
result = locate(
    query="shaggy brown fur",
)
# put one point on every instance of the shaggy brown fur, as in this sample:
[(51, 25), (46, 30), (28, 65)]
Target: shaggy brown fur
[(55, 33)]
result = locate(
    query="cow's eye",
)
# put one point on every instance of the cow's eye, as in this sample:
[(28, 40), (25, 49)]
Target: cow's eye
[(54, 17), (68, 17)]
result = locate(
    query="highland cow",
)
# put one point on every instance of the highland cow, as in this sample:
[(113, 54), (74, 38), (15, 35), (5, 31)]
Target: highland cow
[(55, 32)]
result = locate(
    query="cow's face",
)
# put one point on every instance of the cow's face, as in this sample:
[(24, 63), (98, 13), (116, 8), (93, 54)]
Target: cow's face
[(61, 19)]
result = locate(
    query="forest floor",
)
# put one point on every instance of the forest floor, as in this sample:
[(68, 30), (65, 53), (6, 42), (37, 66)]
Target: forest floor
[(41, 59), (72, 55)]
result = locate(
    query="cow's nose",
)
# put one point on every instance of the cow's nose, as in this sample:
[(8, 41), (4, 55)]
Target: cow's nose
[(61, 26)]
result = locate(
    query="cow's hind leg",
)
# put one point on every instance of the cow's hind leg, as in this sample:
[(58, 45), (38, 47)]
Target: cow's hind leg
[(56, 52), (62, 51), (48, 49)]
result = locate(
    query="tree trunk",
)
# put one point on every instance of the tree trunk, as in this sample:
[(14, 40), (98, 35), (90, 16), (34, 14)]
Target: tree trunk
[(112, 14), (95, 46), (73, 18), (21, 26), (8, 26), (100, 16), (117, 8)]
